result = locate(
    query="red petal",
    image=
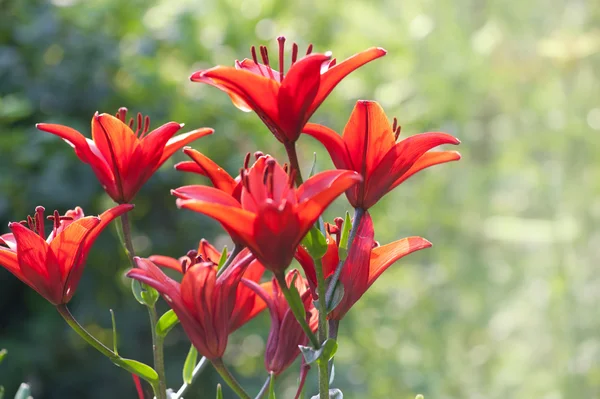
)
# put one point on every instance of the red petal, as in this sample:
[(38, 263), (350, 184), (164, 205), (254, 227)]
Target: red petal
[(308, 265), (166, 261), (207, 194), (258, 69), (428, 159), (297, 92), (384, 256), (332, 142), (182, 140), (219, 177), (8, 239), (237, 101), (209, 252), (8, 260), (189, 166), (333, 76)]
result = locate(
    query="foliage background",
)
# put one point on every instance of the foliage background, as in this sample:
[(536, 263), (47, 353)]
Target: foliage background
[(505, 305)]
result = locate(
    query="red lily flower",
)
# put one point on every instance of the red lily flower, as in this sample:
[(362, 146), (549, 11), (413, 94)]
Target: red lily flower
[(369, 147), (248, 304), (284, 101), (285, 334), (53, 266), (121, 159), (366, 261), (272, 216), (204, 302)]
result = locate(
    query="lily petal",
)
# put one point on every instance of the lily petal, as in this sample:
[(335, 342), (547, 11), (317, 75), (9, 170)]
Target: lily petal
[(207, 167), (166, 261), (182, 140), (428, 159), (333, 143)]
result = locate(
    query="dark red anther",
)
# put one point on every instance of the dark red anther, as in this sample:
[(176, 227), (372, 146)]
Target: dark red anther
[(146, 125), (309, 49), (31, 223), (185, 263), (244, 179), (396, 129), (264, 53), (56, 219), (39, 221), (281, 41), (131, 121), (192, 254), (255, 59), (294, 53), (339, 222), (286, 167), (247, 160), (269, 176), (138, 128), (258, 154)]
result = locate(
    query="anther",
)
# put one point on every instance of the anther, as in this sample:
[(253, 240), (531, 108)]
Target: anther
[(247, 160), (131, 121), (264, 53), (39, 221), (30, 223), (258, 154), (309, 49), (285, 167), (185, 263), (139, 123), (294, 53), (146, 125), (281, 41), (396, 129), (255, 59)]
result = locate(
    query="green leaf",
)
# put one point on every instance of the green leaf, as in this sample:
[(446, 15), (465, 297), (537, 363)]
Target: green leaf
[(315, 243), (149, 295), (190, 363), (219, 392), (3, 353), (326, 352), (24, 392), (114, 331), (333, 394), (136, 289), (222, 259), (296, 303), (272, 387), (139, 368), (345, 234), (166, 323), (338, 295), (313, 168)]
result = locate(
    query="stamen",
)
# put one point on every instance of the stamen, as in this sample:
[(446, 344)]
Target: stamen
[(264, 53), (285, 167), (192, 254), (396, 129), (339, 223), (309, 49), (281, 41), (56, 220), (30, 223), (244, 179), (146, 125), (122, 114), (131, 123), (255, 59), (139, 123), (395, 124), (269, 177), (294, 53), (258, 154), (39, 221), (185, 263), (247, 160)]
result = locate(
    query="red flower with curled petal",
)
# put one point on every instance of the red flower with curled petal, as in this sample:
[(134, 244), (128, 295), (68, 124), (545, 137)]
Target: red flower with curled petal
[(123, 160), (368, 146), (272, 216), (53, 266), (285, 334), (284, 101), (248, 304), (204, 302), (366, 261)]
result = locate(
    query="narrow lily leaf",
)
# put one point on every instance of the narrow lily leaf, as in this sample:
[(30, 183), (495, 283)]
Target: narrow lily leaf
[(166, 322), (272, 387), (296, 303), (190, 363), (346, 227), (114, 331), (24, 392), (141, 369), (223, 258), (219, 392), (3, 353), (136, 288), (326, 352), (315, 243), (313, 168)]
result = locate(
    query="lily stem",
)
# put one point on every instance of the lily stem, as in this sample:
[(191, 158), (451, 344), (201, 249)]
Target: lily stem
[(197, 370), (301, 319), (235, 252), (157, 341), (265, 387), (358, 215), (229, 378), (99, 346), (290, 149), (323, 369)]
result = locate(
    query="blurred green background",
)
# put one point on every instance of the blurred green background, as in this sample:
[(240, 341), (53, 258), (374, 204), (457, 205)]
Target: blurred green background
[(505, 305)]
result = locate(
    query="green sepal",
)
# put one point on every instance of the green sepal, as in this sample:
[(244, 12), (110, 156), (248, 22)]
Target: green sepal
[(136, 289), (345, 234), (323, 354), (315, 243), (141, 369), (149, 295), (189, 365), (166, 323), (222, 259), (296, 303), (272, 387)]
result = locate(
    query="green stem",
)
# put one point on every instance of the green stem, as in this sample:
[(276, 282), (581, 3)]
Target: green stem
[(358, 215), (265, 387), (158, 351), (99, 346), (301, 320), (157, 341), (290, 149), (323, 364), (229, 378), (197, 370), (236, 251)]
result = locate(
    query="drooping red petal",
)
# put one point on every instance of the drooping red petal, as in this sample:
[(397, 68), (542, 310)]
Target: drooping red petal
[(332, 142), (166, 261), (313, 202), (384, 256), (428, 159), (189, 166), (219, 177), (237, 101), (334, 75), (8, 260), (297, 92), (248, 305), (182, 140)]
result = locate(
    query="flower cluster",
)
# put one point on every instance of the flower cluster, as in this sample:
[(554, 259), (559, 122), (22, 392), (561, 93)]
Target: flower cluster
[(270, 212)]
